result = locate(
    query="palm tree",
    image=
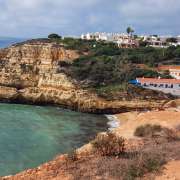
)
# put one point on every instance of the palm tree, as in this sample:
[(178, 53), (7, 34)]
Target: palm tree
[(130, 31)]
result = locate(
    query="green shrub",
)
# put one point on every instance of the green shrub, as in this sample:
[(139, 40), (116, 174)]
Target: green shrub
[(145, 163), (109, 145), (54, 36), (147, 130), (171, 135)]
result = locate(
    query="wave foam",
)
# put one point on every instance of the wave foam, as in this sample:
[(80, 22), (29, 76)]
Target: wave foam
[(113, 122)]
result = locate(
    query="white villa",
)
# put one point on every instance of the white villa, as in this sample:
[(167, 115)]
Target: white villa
[(174, 71), (96, 36), (171, 86), (160, 41), (122, 40), (155, 41), (126, 41)]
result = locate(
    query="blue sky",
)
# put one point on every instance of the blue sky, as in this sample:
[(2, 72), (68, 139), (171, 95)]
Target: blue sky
[(38, 18)]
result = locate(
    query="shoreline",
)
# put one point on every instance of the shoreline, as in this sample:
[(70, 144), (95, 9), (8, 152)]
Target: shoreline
[(133, 118), (168, 118), (113, 122)]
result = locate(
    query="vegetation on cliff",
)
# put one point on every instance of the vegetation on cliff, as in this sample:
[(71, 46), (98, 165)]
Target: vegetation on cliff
[(142, 55), (49, 71), (103, 67)]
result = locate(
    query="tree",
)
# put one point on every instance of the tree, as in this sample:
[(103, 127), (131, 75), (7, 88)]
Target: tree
[(54, 36), (177, 52), (135, 36), (143, 43), (129, 30), (172, 40)]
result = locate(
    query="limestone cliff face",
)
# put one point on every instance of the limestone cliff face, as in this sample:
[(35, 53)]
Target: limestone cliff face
[(29, 73), (25, 64)]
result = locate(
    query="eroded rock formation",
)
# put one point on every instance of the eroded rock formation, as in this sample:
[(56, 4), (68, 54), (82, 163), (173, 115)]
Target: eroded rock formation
[(29, 73)]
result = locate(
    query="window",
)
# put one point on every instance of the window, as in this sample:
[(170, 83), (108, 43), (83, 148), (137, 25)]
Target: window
[(145, 84)]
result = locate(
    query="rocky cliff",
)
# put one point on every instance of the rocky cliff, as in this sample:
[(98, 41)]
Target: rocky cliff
[(30, 73)]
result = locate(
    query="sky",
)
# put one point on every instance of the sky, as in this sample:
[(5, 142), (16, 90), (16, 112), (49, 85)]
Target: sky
[(38, 18)]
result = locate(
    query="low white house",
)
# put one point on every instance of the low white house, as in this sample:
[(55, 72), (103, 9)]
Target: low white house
[(160, 41), (122, 40), (171, 86), (174, 70), (155, 41)]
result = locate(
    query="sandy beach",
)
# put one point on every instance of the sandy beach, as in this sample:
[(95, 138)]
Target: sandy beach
[(169, 118)]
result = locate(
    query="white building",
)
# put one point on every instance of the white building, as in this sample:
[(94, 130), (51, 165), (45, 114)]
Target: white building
[(155, 41), (174, 71), (171, 86), (122, 40), (95, 36), (161, 41)]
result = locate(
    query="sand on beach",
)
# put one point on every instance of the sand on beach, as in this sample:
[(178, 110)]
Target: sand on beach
[(169, 118)]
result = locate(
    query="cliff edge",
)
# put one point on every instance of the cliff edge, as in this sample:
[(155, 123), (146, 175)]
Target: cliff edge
[(31, 72)]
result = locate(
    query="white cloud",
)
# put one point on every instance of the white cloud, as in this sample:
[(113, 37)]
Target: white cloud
[(159, 16), (140, 8), (40, 17)]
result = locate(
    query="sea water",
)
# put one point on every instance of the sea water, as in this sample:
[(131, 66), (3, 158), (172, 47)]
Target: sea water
[(32, 135)]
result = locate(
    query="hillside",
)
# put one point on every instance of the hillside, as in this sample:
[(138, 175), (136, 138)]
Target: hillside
[(45, 71)]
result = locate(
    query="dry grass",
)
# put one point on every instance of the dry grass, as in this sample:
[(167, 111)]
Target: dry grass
[(72, 156), (144, 163), (109, 145), (125, 164), (111, 160), (156, 131)]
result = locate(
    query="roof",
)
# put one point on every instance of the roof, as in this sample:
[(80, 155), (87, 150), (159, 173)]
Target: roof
[(168, 67), (157, 80)]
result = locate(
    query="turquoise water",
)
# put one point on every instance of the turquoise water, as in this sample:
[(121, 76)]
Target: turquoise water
[(31, 135)]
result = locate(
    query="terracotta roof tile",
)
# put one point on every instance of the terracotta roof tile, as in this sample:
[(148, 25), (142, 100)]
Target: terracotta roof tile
[(166, 67), (156, 80)]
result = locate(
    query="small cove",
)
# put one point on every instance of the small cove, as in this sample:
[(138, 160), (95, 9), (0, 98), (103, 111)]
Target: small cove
[(32, 135)]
